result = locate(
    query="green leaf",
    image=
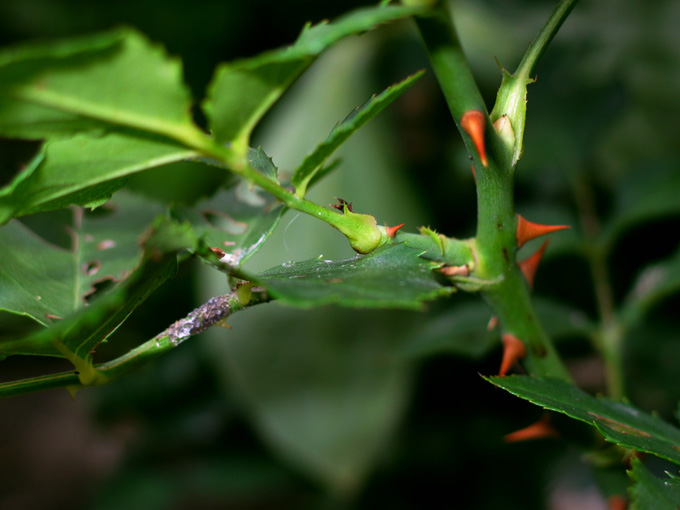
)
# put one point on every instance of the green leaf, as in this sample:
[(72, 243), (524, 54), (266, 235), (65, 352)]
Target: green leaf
[(77, 335), (129, 82), (461, 331), (82, 169), (343, 130), (651, 493), (392, 276), (39, 280), (267, 76), (327, 402), (262, 163), (236, 220), (644, 195), (653, 284), (618, 422)]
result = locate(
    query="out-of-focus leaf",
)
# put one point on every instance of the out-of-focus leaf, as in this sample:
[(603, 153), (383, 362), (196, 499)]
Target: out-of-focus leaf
[(343, 130), (267, 76), (618, 422), (393, 275), (68, 86), (642, 196), (327, 402), (462, 331), (78, 334), (39, 280), (653, 284), (236, 220), (649, 492), (82, 170), (561, 320)]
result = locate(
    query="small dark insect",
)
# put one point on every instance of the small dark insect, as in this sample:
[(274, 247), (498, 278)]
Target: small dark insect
[(340, 206)]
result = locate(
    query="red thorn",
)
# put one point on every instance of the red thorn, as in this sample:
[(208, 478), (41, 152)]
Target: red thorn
[(617, 502), (474, 174), (513, 350), (530, 265), (455, 270), (493, 323), (473, 122), (392, 231), (526, 230), (539, 430)]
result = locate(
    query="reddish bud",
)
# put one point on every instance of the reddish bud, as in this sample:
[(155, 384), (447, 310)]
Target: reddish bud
[(473, 122), (530, 265), (539, 430), (526, 230), (513, 350), (392, 231), (455, 270)]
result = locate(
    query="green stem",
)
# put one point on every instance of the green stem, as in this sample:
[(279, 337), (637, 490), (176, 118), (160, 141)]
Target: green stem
[(544, 37), (215, 311), (609, 337), (455, 78), (496, 243)]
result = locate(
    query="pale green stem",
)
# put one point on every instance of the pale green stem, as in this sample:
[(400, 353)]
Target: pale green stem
[(214, 312), (609, 337), (495, 244)]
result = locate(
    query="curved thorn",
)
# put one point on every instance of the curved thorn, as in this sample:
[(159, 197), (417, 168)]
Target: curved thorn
[(473, 122), (530, 265), (513, 350), (539, 430), (392, 231), (527, 230)]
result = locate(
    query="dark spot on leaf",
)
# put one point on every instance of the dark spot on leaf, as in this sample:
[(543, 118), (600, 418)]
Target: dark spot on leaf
[(92, 268), (538, 351), (98, 287), (500, 226), (505, 255)]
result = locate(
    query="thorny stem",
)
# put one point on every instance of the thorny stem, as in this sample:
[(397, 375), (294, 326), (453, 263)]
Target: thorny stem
[(214, 311), (495, 243), (609, 338)]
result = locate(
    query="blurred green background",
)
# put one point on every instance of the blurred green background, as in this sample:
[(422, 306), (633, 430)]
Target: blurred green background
[(337, 408)]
